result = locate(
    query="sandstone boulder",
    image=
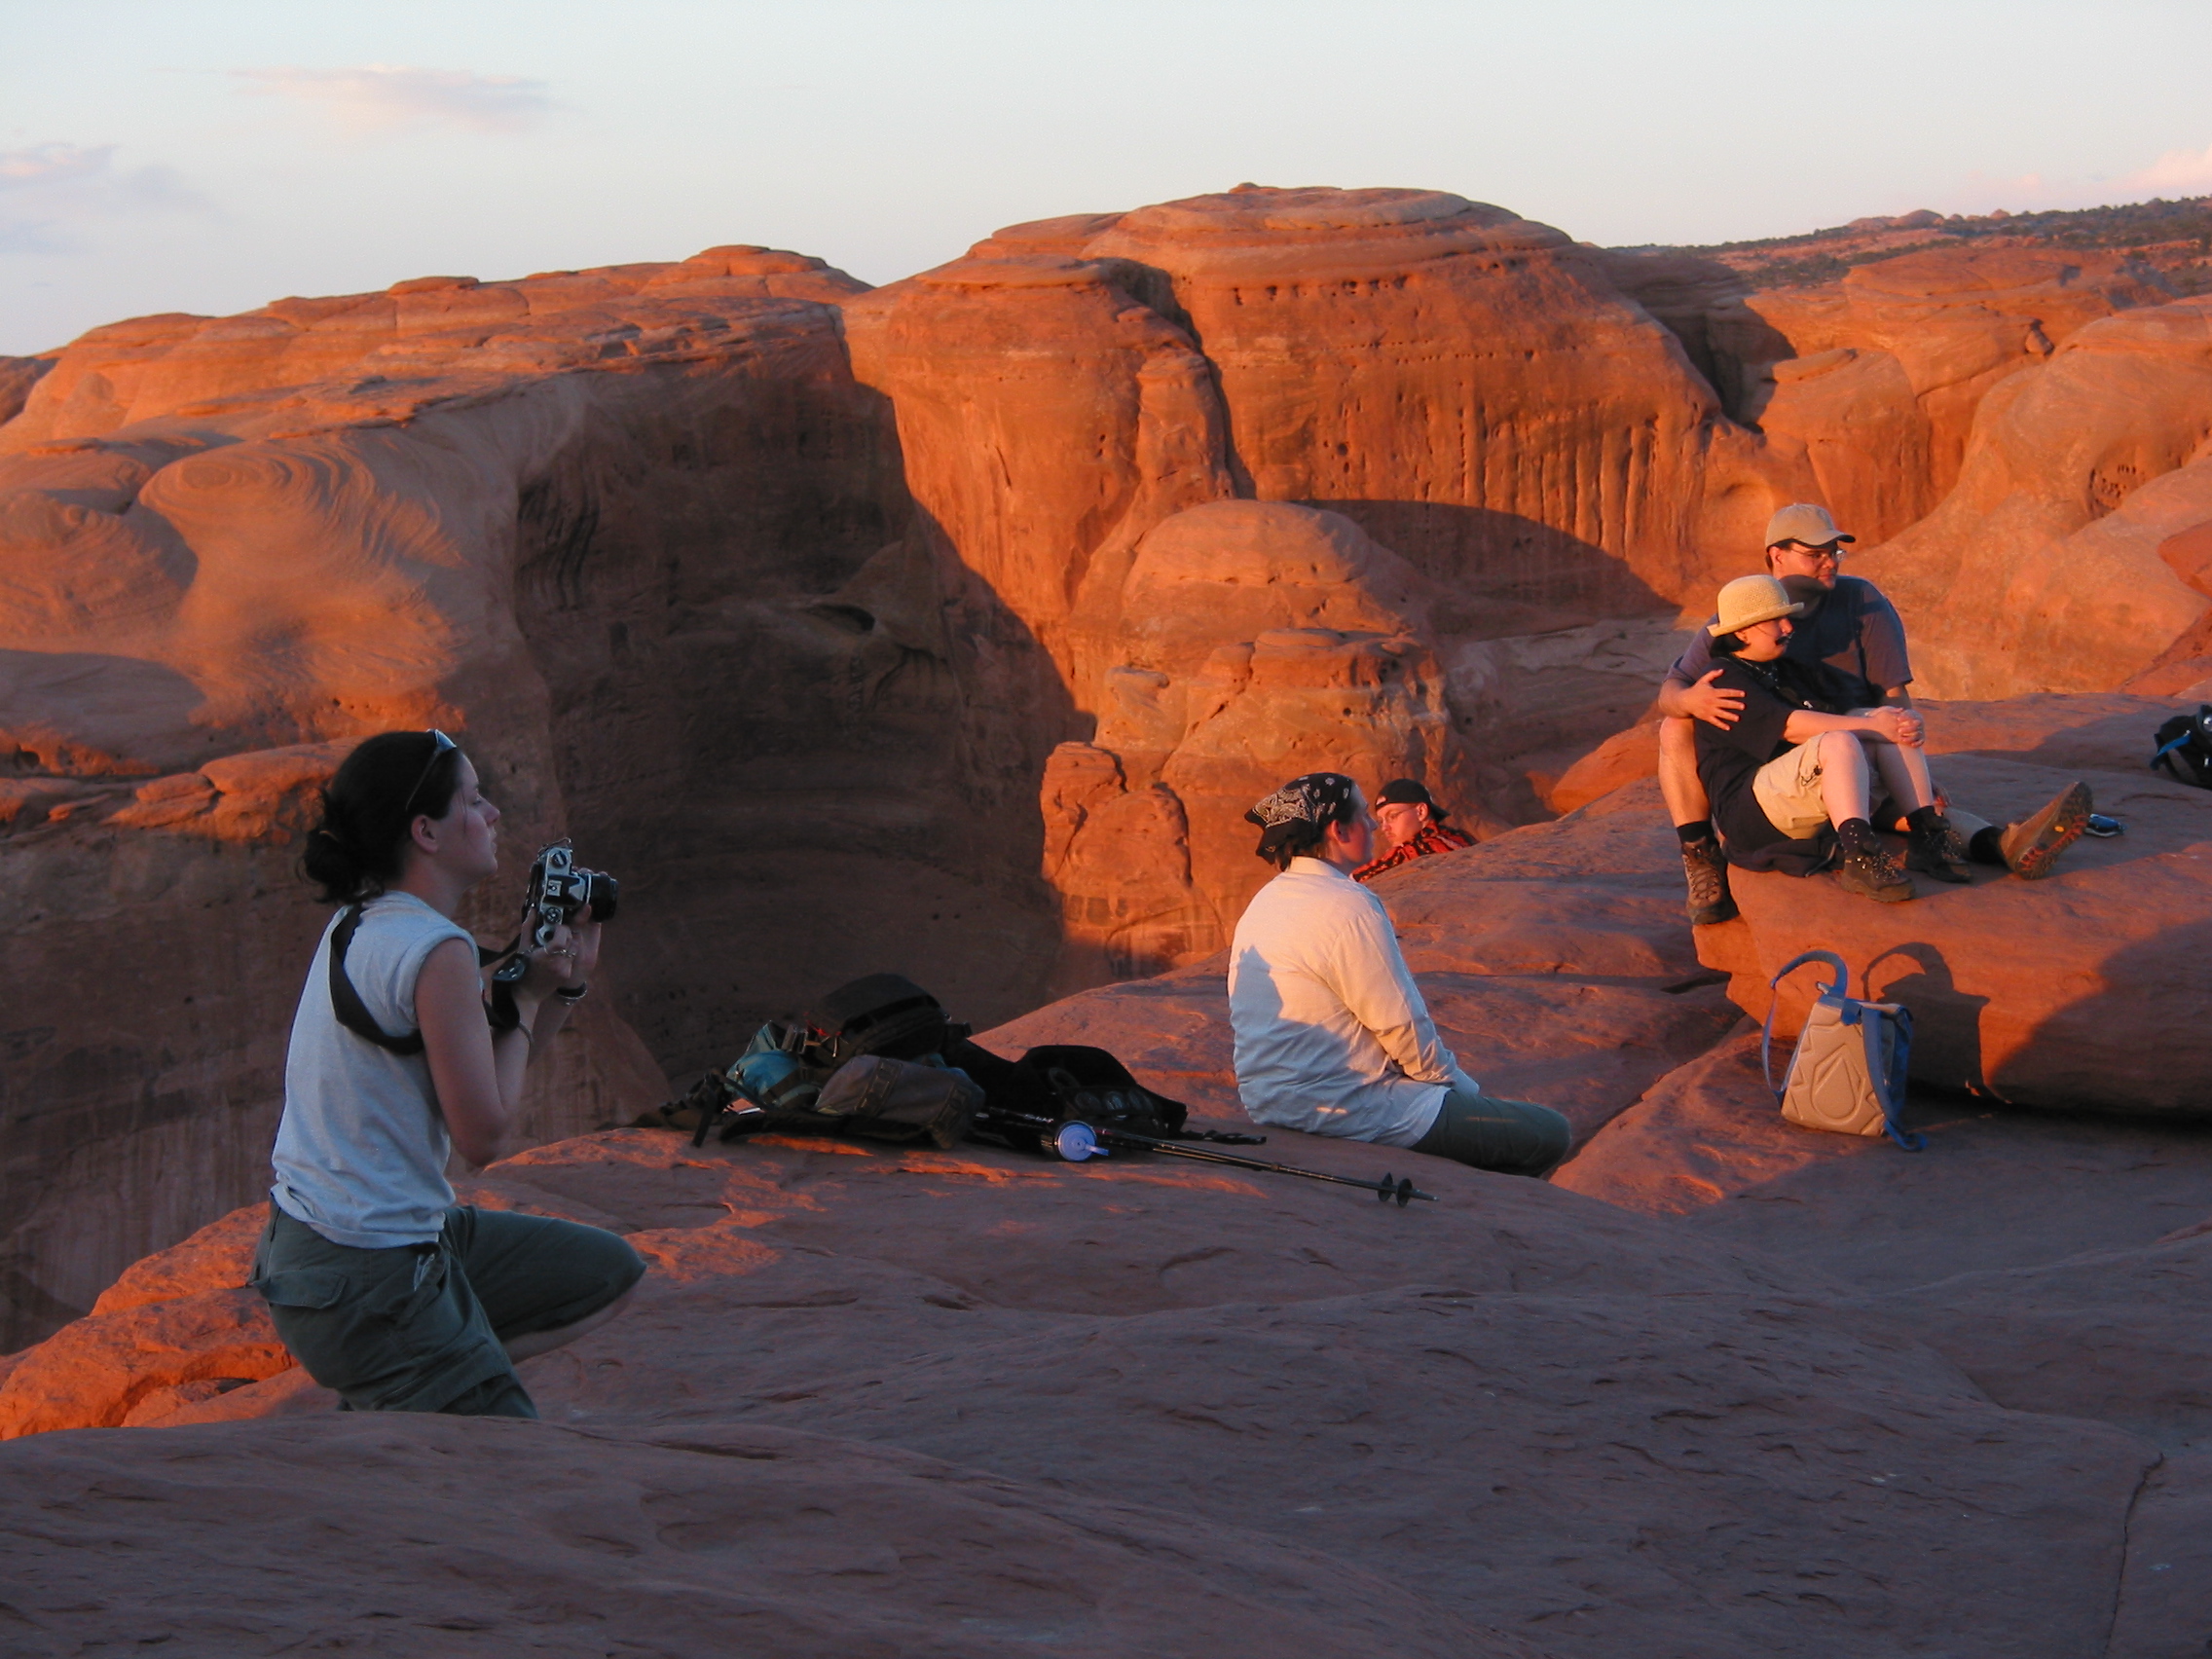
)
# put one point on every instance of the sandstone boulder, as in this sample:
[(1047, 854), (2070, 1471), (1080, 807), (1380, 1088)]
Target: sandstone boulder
[(1327, 312), (1876, 378), (2039, 571), (2081, 991), (1255, 641), (229, 547)]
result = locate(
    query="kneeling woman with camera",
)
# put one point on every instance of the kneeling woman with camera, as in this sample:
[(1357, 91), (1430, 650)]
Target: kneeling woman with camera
[(381, 1286)]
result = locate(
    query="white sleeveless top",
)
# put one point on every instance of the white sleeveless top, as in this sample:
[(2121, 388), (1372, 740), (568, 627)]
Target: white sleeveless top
[(362, 1151)]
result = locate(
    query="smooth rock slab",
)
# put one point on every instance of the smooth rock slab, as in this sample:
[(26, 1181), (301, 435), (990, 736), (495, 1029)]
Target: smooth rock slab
[(408, 1535), (2085, 991), (1313, 1418)]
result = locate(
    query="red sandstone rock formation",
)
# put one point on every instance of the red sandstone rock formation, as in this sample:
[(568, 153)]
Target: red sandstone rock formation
[(2041, 572), (570, 520), (784, 596)]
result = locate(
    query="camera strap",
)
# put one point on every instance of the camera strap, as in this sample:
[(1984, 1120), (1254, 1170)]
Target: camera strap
[(353, 1014)]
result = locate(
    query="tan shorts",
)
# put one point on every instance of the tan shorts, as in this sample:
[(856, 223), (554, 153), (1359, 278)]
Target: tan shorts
[(1787, 789)]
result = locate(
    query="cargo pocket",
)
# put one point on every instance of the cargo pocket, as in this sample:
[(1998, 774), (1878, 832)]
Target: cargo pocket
[(301, 1287), (403, 1301)]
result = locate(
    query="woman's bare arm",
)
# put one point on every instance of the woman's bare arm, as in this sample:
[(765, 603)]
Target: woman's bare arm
[(478, 1076)]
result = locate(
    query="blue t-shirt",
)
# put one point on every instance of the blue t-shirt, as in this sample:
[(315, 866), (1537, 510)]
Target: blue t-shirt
[(1856, 632)]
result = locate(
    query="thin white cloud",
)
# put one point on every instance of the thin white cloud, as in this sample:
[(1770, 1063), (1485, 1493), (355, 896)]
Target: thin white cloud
[(2177, 172), (2174, 174), (49, 191), (380, 96)]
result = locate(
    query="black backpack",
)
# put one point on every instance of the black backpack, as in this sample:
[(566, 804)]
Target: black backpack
[(1061, 1083), (2184, 748)]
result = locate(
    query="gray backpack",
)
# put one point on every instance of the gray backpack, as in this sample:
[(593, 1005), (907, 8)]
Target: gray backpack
[(1848, 1074)]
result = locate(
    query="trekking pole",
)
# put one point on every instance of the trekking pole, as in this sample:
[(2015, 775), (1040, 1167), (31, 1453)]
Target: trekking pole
[(1077, 1141)]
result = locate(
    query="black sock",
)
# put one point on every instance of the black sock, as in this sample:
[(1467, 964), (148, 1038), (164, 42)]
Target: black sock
[(1694, 833), (1987, 846), (1857, 835), (1921, 819)]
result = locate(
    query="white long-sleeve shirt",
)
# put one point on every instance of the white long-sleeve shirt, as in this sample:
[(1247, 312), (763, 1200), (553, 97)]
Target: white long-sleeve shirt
[(1332, 1035)]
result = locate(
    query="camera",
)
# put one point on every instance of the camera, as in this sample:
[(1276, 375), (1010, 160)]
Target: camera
[(559, 887)]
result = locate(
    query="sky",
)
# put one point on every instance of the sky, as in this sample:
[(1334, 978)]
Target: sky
[(211, 156)]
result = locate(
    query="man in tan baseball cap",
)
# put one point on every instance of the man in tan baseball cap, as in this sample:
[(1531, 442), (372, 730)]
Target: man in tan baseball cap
[(1846, 624)]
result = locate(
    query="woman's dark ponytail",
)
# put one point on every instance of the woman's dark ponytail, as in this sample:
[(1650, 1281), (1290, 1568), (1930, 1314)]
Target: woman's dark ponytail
[(380, 788)]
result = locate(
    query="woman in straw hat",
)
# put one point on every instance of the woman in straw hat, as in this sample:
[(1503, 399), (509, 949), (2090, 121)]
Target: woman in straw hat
[(1793, 780)]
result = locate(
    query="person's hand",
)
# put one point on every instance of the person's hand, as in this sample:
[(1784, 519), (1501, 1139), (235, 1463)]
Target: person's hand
[(1710, 703), (567, 959), (1901, 726)]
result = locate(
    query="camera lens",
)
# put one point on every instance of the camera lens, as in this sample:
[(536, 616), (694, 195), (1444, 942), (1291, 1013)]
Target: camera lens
[(601, 891)]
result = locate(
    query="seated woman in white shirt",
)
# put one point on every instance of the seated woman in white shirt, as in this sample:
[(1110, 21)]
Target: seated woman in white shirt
[(1332, 1035)]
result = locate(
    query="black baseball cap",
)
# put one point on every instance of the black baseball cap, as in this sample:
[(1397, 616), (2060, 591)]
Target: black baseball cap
[(1410, 792)]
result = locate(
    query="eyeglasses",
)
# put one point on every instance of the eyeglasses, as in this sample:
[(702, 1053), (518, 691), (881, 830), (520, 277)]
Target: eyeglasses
[(439, 744), (1832, 553)]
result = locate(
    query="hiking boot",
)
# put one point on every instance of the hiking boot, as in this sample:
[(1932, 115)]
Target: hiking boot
[(2032, 845), (1936, 849), (1707, 871), (1872, 874)]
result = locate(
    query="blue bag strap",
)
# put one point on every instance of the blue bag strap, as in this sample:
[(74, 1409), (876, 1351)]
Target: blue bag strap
[(2167, 749), (1891, 1092), (1766, 1038)]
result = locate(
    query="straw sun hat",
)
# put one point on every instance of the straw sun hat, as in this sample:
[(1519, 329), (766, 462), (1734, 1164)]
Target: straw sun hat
[(1752, 599)]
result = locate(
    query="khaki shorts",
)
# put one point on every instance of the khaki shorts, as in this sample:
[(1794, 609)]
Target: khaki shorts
[(1787, 789)]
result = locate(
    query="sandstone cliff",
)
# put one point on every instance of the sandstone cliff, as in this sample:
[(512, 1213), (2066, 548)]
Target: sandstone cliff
[(950, 626)]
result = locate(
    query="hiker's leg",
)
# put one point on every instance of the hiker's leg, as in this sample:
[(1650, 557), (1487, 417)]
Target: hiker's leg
[(544, 1283), (1509, 1137), (1679, 781), (1844, 776), (391, 1330), (1904, 773), (1704, 868)]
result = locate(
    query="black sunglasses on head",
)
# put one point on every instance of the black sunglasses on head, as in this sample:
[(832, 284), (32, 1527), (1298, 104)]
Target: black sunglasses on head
[(439, 744)]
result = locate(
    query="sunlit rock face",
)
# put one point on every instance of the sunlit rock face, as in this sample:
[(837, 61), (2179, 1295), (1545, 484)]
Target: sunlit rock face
[(950, 627)]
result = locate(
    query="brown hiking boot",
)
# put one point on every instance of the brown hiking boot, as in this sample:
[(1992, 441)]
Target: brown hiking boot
[(2032, 845), (1872, 874), (1936, 849), (1707, 869)]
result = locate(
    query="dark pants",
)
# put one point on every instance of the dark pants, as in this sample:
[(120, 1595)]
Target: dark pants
[(422, 1327), (1512, 1137)]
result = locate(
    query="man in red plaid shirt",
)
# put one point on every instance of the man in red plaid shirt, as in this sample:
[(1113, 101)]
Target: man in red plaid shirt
[(1413, 824)]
